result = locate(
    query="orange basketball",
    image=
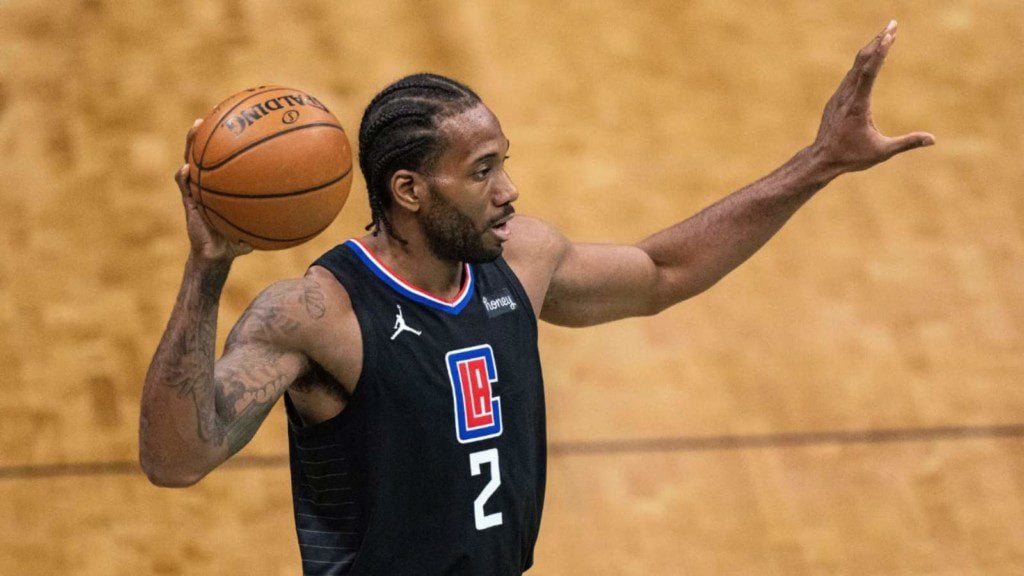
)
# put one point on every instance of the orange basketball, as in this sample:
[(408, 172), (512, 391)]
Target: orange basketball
[(271, 166)]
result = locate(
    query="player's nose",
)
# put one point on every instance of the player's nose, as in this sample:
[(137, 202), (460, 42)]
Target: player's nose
[(507, 190)]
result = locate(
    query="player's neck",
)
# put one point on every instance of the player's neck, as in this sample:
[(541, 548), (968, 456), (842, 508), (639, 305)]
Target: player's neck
[(415, 263)]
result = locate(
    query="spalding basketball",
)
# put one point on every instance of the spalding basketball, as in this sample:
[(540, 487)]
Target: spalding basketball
[(271, 166)]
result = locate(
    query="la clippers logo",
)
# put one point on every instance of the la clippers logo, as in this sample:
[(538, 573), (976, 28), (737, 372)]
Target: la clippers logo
[(477, 411)]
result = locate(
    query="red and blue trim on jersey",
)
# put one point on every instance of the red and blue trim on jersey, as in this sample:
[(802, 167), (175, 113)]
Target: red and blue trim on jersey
[(410, 291)]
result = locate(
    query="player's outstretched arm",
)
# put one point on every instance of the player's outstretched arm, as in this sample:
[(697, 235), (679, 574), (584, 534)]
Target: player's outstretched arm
[(195, 414), (592, 284)]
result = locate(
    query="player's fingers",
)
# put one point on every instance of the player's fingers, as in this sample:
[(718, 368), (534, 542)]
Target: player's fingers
[(181, 177), (241, 248), (190, 136), (889, 29), (868, 70), (848, 88), (868, 50), (900, 144)]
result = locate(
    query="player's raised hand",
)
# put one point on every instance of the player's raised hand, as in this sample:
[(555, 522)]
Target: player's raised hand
[(206, 242), (847, 138)]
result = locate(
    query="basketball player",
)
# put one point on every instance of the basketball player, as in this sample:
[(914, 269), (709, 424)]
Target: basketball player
[(408, 358)]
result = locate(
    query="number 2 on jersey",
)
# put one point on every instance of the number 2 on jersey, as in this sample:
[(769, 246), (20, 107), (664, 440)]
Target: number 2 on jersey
[(476, 459)]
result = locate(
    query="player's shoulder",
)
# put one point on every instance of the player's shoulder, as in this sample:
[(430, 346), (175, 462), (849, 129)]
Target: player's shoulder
[(534, 251), (314, 292), (534, 242), (294, 310)]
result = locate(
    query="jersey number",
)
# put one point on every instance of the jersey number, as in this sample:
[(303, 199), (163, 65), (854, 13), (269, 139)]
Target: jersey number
[(476, 459)]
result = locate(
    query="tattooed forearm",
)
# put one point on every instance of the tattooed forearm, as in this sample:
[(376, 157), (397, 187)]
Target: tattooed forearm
[(181, 374), (184, 359)]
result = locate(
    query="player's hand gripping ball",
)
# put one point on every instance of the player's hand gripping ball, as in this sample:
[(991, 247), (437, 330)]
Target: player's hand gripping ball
[(270, 166)]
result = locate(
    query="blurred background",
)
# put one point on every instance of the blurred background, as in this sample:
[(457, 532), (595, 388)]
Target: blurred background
[(850, 401)]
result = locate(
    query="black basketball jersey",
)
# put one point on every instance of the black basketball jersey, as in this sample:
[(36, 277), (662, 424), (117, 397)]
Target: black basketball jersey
[(437, 464)]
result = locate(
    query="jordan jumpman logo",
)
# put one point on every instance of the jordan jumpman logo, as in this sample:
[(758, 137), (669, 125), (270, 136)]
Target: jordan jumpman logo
[(401, 326)]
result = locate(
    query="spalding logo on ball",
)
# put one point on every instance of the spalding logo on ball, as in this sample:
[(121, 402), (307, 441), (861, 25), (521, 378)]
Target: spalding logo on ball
[(271, 166)]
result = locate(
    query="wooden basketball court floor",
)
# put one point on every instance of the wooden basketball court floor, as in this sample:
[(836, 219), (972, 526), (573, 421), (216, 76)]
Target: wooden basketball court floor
[(850, 401)]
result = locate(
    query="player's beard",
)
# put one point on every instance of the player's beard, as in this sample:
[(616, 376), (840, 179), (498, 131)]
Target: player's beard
[(452, 235)]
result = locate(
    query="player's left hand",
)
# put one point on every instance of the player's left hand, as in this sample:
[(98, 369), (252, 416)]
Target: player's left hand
[(847, 138)]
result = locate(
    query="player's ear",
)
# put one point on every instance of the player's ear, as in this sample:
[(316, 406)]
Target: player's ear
[(407, 189)]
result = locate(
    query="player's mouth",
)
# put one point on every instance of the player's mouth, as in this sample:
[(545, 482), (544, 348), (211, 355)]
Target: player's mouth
[(501, 229)]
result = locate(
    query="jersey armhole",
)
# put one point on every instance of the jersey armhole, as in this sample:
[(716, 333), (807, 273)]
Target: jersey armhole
[(369, 355), (517, 287)]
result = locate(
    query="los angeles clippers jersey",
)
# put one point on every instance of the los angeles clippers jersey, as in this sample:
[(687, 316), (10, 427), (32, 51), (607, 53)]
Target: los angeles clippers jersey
[(437, 464)]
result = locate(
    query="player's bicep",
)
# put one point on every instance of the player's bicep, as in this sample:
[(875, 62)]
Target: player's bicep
[(248, 380), (597, 283), (262, 357)]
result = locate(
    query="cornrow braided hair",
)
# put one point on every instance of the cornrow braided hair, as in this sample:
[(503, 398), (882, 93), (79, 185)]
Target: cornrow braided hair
[(400, 129)]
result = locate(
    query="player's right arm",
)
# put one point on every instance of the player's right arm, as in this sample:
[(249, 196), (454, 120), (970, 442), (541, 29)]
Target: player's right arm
[(196, 413)]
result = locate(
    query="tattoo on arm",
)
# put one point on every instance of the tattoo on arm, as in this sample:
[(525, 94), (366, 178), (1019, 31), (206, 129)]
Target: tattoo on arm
[(231, 404), (313, 298), (184, 358), (245, 395)]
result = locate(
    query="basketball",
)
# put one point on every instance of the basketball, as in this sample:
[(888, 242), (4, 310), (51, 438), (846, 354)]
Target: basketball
[(271, 166)]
